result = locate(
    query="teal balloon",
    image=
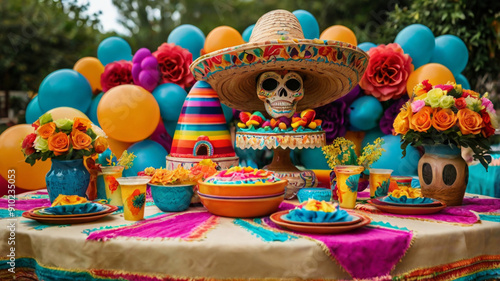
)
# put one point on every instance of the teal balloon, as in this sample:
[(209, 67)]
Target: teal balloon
[(460, 79), (92, 113), (188, 37), (371, 136), (228, 113), (33, 111), (366, 46), (247, 33), (451, 52), (148, 154), (170, 98), (170, 126), (313, 158), (65, 87), (391, 157), (309, 24), (417, 40), (114, 49), (365, 113)]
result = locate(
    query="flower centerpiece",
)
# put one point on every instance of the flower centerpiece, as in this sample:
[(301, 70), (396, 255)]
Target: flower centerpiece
[(66, 142), (443, 119)]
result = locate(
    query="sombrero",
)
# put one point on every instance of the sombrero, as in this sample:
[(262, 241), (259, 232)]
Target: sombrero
[(329, 69)]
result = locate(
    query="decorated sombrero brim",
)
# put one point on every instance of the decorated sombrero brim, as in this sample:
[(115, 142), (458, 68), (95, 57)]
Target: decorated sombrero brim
[(330, 69)]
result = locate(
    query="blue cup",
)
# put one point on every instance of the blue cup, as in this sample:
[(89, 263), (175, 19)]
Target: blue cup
[(172, 198), (317, 193)]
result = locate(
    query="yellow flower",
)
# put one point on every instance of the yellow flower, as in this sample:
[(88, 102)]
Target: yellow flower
[(434, 97)]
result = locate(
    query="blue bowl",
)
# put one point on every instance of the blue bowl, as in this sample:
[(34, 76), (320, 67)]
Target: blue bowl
[(317, 193), (172, 198)]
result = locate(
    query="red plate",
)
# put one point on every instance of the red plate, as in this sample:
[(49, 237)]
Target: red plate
[(318, 229), (401, 210), (356, 219), (70, 220)]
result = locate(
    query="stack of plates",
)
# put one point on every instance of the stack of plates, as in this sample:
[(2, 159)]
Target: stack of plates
[(70, 214), (407, 208), (358, 221)]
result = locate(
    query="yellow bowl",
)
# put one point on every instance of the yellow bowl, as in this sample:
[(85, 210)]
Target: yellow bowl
[(260, 189), (242, 208)]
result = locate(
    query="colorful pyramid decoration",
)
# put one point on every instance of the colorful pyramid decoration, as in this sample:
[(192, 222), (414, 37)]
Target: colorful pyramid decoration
[(201, 130)]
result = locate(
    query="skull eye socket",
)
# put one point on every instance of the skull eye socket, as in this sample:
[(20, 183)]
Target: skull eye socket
[(293, 85), (269, 84)]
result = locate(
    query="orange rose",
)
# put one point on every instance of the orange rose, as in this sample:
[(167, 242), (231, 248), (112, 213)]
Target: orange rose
[(100, 144), (80, 140), (47, 130), (81, 124), (401, 123), (444, 119), (59, 143), (470, 122), (421, 121)]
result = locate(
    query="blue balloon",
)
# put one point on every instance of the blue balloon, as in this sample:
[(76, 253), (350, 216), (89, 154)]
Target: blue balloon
[(309, 24), (247, 33), (365, 113), (417, 40), (228, 113), (170, 98), (170, 126), (188, 37), (366, 46), (451, 52), (460, 79), (92, 113), (65, 87), (148, 154), (391, 157), (33, 111), (313, 158), (114, 49), (371, 136)]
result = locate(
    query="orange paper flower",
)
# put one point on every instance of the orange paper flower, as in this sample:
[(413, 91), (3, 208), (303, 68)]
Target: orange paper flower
[(100, 145), (401, 123), (81, 124), (47, 130), (470, 122), (444, 119), (58, 143), (80, 140), (421, 121)]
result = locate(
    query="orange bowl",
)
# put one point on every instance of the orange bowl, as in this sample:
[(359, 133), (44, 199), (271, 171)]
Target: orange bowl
[(261, 189), (242, 208)]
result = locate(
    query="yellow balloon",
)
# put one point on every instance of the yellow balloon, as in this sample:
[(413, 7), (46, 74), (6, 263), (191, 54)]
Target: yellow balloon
[(339, 33), (117, 147), (91, 68), (222, 37), (128, 113), (434, 72), (12, 165), (66, 112)]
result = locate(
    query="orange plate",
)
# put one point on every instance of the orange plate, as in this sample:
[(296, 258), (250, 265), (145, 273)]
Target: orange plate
[(242, 208), (318, 229), (33, 214), (400, 210), (261, 189), (356, 219), (70, 220)]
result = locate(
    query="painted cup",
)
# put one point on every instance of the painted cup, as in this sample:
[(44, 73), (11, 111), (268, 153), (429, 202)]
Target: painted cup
[(133, 191), (347, 184), (402, 180), (107, 186), (380, 179)]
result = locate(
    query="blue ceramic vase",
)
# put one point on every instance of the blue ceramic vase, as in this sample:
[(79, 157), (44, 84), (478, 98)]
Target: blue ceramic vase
[(172, 198), (67, 177)]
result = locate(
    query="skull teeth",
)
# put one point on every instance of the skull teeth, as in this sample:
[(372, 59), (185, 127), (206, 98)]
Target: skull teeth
[(283, 104)]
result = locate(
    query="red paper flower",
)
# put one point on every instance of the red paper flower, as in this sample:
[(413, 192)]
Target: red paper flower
[(115, 74), (387, 72), (173, 62)]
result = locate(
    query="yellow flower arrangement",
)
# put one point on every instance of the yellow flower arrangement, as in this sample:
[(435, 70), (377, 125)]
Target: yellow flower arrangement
[(342, 152)]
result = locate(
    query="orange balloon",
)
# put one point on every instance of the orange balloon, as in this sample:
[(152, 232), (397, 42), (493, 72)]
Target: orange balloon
[(339, 33), (12, 165), (222, 37), (128, 113), (91, 68), (434, 72), (117, 147), (66, 112)]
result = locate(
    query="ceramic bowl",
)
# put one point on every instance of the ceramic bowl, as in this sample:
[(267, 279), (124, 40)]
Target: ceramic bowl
[(262, 189), (242, 208), (317, 193), (172, 198)]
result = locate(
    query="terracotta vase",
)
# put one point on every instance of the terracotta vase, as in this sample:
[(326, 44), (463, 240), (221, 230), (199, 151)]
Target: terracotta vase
[(443, 174)]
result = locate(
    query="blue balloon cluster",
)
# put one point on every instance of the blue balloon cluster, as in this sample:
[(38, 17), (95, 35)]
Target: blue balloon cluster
[(92, 112), (114, 49), (188, 37), (149, 154), (366, 46), (247, 33), (170, 98), (391, 158), (365, 113), (309, 24), (33, 111), (417, 40), (460, 79), (451, 52)]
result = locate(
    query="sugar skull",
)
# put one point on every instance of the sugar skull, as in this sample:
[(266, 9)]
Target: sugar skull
[(280, 91)]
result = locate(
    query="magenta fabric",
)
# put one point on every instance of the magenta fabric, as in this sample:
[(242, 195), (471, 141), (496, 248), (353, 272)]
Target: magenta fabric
[(186, 226), (384, 248), (25, 204)]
